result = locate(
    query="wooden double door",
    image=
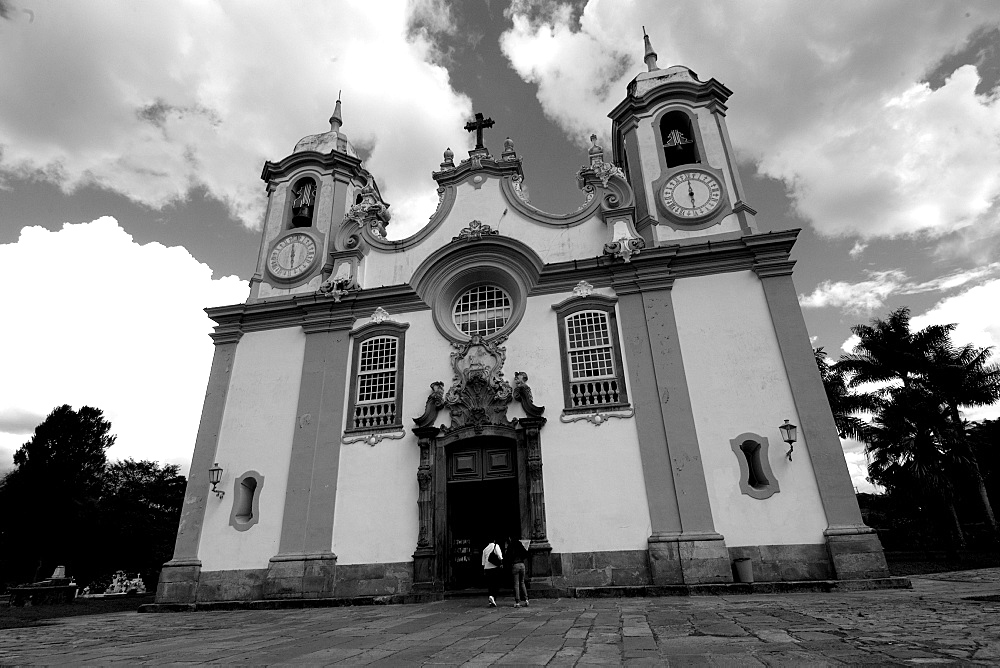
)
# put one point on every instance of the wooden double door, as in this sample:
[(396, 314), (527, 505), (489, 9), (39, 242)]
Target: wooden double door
[(483, 505)]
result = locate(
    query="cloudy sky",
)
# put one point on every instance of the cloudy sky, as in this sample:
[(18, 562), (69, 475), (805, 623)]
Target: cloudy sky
[(132, 137)]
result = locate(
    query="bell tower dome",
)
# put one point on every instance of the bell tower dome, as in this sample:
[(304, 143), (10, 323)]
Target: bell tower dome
[(309, 194), (670, 137)]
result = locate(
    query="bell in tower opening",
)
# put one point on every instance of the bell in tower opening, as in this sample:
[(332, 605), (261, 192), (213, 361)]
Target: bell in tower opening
[(302, 205), (678, 139)]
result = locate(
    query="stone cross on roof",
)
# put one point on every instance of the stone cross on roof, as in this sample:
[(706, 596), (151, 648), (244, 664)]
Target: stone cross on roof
[(477, 126)]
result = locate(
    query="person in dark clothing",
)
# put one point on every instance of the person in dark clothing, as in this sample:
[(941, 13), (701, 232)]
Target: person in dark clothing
[(518, 555)]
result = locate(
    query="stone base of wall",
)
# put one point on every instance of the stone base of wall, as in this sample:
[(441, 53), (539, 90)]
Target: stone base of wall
[(857, 556), (284, 580), (178, 583), (237, 585), (600, 569), (374, 579), (786, 563)]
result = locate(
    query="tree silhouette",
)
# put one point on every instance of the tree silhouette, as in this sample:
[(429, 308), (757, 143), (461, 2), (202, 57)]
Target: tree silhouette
[(55, 488)]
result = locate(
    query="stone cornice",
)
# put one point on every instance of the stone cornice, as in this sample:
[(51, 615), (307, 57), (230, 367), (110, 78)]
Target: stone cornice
[(312, 312), (710, 92), (657, 268), (479, 164), (347, 164)]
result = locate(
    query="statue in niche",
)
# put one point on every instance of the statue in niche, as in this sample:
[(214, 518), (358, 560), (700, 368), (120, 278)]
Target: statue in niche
[(302, 205), (435, 402), (522, 393)]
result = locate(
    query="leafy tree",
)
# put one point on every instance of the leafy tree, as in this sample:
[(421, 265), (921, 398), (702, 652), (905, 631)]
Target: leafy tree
[(140, 508), (51, 496)]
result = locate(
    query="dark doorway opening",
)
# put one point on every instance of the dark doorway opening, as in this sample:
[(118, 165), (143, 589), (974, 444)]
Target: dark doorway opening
[(483, 506)]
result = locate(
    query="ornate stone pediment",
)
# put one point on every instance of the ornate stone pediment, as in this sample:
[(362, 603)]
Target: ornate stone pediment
[(479, 395)]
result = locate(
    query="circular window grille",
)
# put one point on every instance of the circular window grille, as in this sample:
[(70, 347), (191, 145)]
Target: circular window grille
[(482, 310)]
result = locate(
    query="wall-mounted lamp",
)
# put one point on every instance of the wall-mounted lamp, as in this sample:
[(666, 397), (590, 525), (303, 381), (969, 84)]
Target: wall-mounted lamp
[(215, 477), (787, 435)]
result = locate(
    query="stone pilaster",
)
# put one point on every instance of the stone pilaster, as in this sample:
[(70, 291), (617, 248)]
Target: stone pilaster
[(179, 578), (684, 546), (423, 558), (305, 566), (854, 548), (540, 550)]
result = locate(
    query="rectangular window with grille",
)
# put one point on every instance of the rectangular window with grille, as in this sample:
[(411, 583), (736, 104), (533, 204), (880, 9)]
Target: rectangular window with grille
[(591, 357), (376, 390)]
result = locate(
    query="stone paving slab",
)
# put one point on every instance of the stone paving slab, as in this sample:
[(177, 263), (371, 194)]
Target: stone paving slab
[(933, 623)]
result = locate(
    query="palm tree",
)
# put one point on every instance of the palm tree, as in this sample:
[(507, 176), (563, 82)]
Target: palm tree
[(844, 403), (907, 446), (964, 376), (888, 351)]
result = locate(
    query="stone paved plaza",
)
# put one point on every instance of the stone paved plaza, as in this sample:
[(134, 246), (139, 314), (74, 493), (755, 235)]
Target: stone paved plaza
[(933, 623)]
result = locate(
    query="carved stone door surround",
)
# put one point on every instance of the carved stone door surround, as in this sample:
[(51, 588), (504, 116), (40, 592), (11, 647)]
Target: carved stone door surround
[(429, 562)]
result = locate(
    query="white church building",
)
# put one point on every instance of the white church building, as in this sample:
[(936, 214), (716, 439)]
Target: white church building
[(608, 383)]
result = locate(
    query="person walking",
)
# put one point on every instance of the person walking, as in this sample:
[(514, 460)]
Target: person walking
[(517, 552), (492, 562)]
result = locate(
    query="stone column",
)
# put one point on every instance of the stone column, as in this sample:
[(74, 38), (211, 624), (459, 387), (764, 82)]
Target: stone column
[(423, 558), (540, 550), (179, 577), (305, 566), (684, 546), (854, 548)]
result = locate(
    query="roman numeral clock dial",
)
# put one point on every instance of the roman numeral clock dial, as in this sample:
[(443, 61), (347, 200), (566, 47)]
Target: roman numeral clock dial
[(692, 195), (292, 257)]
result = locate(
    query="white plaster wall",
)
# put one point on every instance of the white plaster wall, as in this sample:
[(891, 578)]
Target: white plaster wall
[(256, 434), (738, 384), (487, 205), (595, 497), (376, 514)]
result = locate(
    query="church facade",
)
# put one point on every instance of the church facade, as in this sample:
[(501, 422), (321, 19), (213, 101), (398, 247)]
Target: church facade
[(610, 383)]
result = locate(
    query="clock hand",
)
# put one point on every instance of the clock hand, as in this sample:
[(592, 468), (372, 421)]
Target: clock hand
[(292, 263), (691, 195)]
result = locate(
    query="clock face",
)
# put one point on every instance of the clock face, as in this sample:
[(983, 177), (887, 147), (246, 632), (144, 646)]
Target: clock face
[(292, 256), (692, 194)]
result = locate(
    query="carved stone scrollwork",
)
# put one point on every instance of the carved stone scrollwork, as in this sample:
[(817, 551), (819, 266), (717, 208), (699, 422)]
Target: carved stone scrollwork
[(479, 395), (522, 393), (517, 182), (339, 284), (605, 170), (625, 248), (370, 211), (597, 419), (372, 439), (475, 230), (435, 402)]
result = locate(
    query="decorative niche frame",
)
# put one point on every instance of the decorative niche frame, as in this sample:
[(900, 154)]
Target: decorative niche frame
[(245, 512), (757, 480)]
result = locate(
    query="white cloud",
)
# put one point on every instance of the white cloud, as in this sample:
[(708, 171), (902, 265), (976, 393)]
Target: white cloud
[(152, 99), (868, 295), (824, 100), (118, 326), (857, 249), (863, 296), (857, 465)]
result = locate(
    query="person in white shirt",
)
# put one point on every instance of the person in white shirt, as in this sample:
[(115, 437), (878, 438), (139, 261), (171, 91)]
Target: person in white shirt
[(492, 570)]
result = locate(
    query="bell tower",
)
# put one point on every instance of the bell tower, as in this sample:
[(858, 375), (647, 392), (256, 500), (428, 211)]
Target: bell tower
[(310, 192), (670, 137)]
